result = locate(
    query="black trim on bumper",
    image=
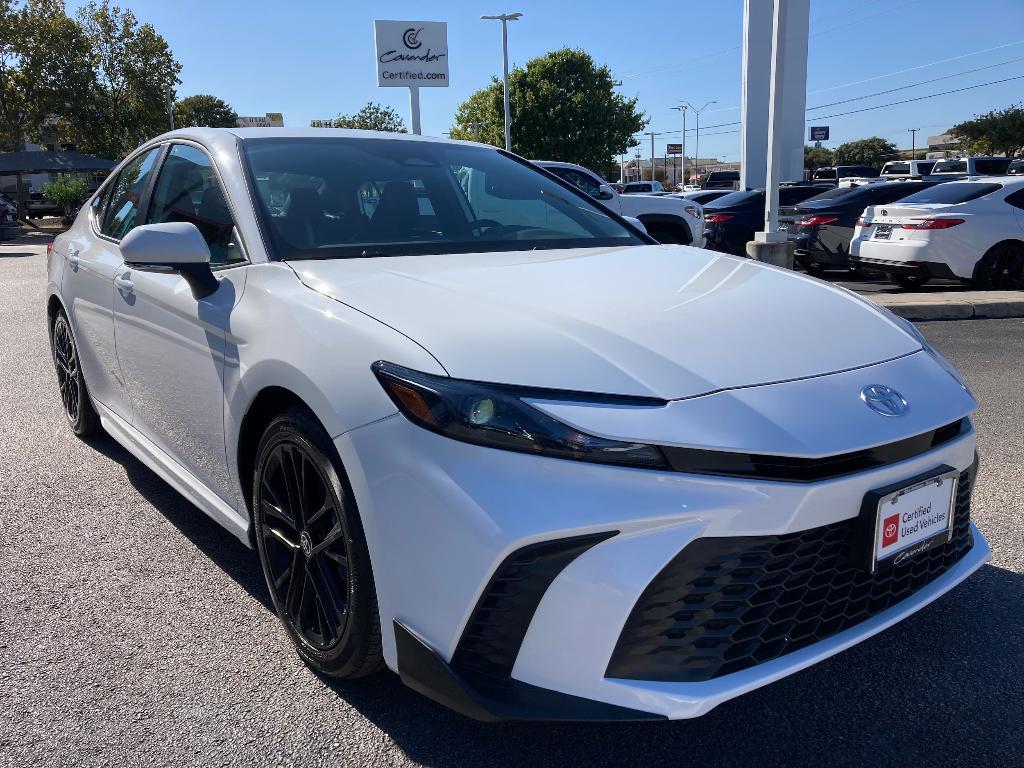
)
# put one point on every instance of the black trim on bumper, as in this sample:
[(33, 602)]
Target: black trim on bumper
[(800, 470), (490, 642), (424, 671), (935, 269)]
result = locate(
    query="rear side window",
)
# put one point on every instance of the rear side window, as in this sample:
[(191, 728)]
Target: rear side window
[(1016, 199), (585, 182), (121, 212), (188, 190), (952, 193), (897, 168), (992, 166), (950, 166)]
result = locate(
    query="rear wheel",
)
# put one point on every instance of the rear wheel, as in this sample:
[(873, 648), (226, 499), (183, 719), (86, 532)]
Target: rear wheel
[(313, 550), (74, 395), (908, 280), (1001, 269)]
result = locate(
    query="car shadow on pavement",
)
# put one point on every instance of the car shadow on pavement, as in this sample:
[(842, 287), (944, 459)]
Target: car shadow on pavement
[(224, 550), (15, 254), (918, 693)]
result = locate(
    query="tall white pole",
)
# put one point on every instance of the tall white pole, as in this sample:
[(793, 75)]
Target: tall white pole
[(414, 108), (508, 111), (776, 116), (652, 156), (696, 145)]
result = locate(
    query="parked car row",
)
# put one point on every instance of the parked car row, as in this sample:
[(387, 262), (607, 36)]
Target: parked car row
[(9, 226), (966, 229)]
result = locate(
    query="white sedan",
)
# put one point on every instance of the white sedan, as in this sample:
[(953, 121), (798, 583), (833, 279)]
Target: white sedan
[(482, 431), (971, 230)]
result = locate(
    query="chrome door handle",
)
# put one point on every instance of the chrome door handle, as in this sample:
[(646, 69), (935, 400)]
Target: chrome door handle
[(124, 283)]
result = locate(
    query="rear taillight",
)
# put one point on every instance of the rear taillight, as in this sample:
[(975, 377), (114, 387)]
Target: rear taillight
[(49, 248), (815, 221), (862, 222), (717, 218), (934, 224)]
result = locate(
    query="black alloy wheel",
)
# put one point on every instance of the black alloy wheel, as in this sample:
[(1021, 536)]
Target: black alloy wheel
[(74, 395), (1001, 269), (312, 549)]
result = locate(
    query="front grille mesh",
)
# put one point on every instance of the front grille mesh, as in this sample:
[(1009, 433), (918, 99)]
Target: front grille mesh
[(726, 604)]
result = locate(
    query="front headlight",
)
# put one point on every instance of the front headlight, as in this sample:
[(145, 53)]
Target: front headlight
[(496, 416)]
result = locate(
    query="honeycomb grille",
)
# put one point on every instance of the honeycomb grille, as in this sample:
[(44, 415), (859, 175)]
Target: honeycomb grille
[(727, 604)]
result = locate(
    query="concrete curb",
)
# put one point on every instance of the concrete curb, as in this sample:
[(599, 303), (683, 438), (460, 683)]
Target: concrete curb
[(965, 305)]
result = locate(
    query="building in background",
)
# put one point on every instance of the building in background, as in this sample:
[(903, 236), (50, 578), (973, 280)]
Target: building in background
[(269, 120)]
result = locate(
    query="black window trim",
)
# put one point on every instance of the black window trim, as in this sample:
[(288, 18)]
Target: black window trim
[(165, 144), (112, 179), (168, 146)]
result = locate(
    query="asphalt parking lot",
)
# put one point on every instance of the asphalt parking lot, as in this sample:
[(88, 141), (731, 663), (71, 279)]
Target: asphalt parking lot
[(133, 630)]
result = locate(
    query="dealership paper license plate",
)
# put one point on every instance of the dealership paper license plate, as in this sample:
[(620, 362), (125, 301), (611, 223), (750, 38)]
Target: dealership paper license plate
[(882, 232), (912, 520)]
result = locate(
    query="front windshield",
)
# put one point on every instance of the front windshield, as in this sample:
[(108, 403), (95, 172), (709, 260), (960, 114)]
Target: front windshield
[(350, 197)]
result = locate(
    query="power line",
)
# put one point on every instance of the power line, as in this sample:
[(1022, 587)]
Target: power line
[(915, 85), (918, 98)]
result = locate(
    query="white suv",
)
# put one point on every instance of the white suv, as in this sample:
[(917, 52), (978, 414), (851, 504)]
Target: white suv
[(666, 219), (972, 230)]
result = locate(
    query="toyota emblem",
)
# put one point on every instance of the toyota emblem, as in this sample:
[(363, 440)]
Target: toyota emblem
[(884, 400)]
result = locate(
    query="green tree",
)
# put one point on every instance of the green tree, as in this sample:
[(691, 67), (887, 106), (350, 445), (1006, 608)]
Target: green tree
[(135, 72), (998, 131), (44, 71), (816, 157), (874, 151), (67, 192), (373, 117), (203, 110), (564, 107)]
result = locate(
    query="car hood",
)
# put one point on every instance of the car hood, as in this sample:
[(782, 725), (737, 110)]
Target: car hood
[(665, 321)]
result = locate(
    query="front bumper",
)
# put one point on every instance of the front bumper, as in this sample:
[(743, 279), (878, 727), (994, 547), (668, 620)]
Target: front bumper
[(443, 519)]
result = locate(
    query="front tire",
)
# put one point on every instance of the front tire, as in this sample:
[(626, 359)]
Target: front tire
[(313, 550), (74, 395)]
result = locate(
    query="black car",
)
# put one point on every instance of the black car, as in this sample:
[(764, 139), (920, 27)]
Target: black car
[(720, 180), (9, 226), (705, 196), (822, 226), (731, 221)]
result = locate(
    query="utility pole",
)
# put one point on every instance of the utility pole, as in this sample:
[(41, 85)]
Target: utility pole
[(696, 147), (913, 143), (638, 164)]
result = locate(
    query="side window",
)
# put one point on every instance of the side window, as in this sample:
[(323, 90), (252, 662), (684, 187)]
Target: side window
[(1016, 199), (581, 180), (119, 217), (187, 190)]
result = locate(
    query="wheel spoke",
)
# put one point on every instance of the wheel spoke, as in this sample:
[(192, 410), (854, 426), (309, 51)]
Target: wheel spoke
[(282, 538), (326, 595), (327, 506), (289, 474), (333, 535)]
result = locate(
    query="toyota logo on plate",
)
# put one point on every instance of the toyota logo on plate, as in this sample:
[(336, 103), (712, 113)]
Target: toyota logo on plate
[(884, 400)]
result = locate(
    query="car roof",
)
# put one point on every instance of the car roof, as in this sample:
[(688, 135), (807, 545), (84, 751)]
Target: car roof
[(228, 137)]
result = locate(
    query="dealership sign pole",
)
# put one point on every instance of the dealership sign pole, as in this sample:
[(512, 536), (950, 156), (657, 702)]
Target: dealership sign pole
[(413, 55)]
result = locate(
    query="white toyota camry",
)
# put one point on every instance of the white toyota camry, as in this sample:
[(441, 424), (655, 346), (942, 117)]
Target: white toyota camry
[(971, 230), (483, 431)]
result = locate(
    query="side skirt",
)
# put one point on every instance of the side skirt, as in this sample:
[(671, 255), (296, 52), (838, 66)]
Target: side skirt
[(175, 475)]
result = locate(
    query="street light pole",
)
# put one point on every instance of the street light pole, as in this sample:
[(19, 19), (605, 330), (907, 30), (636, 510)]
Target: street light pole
[(652, 134), (504, 18), (913, 143), (682, 162), (696, 143)]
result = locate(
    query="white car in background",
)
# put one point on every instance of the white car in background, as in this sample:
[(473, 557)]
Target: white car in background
[(972, 230), (486, 433), (666, 218)]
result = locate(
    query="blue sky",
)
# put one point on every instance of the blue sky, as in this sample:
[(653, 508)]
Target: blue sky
[(316, 59)]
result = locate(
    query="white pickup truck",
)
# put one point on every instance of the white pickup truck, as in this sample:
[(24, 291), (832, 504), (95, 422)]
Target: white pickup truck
[(667, 219)]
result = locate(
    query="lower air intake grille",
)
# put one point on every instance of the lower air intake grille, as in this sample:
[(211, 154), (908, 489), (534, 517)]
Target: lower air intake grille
[(726, 604)]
